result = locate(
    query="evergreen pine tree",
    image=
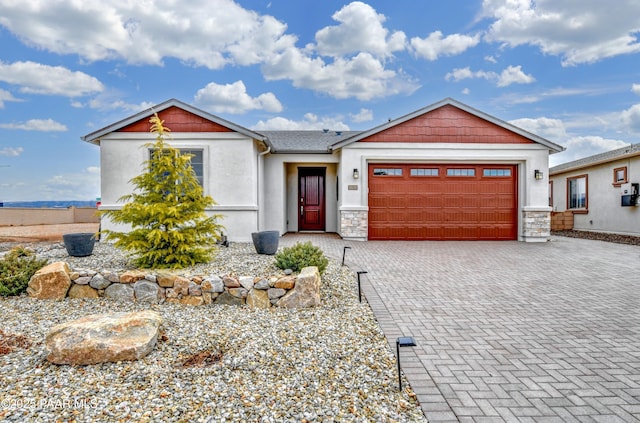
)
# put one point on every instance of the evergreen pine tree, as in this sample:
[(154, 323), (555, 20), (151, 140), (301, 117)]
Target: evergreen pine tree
[(166, 211)]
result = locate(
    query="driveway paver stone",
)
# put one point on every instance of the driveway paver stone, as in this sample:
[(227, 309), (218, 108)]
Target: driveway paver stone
[(508, 331)]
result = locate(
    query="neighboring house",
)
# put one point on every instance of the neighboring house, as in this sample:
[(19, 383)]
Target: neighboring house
[(598, 191), (446, 172)]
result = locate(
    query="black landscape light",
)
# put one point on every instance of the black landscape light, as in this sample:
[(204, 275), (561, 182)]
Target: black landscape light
[(344, 252), (403, 341), (360, 272)]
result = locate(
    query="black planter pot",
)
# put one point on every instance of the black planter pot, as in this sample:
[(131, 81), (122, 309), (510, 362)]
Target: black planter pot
[(79, 244), (266, 242)]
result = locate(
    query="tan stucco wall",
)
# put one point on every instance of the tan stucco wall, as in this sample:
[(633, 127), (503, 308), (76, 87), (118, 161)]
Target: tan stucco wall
[(605, 213), (10, 216)]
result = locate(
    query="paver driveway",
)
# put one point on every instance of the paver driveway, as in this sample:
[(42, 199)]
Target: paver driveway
[(508, 331)]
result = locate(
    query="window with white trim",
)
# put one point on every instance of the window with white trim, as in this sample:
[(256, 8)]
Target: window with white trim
[(197, 161)]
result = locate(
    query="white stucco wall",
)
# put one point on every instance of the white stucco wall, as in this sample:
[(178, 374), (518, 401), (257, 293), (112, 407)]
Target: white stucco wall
[(532, 193), (605, 214), (230, 172), (281, 190)]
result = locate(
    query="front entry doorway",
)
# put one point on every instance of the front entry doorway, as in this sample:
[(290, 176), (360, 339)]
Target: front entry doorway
[(311, 199)]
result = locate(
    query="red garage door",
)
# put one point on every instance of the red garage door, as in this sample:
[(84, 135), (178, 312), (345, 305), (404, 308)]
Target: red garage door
[(442, 202)]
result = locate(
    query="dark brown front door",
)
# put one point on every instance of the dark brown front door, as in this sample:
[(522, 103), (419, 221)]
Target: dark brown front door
[(311, 199)]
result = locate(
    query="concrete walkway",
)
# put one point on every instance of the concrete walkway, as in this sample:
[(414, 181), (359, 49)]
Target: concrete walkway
[(508, 331)]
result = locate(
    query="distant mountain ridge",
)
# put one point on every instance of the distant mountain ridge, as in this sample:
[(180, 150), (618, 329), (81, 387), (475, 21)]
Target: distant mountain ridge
[(49, 204)]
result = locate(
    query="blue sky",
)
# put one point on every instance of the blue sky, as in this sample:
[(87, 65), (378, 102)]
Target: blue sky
[(567, 70)]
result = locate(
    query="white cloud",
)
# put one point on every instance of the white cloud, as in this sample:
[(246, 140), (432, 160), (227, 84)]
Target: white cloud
[(552, 129), (81, 185), (42, 125), (635, 88), (233, 98), (6, 96), (510, 75), (514, 75), (364, 115), (111, 101), (584, 31), (36, 78), (435, 45), (631, 118), (146, 32), (11, 151), (579, 147), (360, 30), (363, 76), (310, 121)]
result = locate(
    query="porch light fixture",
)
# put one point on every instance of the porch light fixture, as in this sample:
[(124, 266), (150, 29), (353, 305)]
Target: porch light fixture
[(356, 174), (538, 175), (403, 341), (360, 272)]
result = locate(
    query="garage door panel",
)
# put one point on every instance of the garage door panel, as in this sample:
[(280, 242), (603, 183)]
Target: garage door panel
[(468, 207)]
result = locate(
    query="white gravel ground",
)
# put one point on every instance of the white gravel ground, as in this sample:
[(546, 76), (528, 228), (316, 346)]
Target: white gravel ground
[(326, 364)]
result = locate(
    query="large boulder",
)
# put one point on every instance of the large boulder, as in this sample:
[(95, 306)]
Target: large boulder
[(101, 338), (50, 282), (306, 292), (82, 291)]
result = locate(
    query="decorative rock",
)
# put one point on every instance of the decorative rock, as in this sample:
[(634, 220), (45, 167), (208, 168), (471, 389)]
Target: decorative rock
[(238, 292), (288, 272), (192, 301), (82, 280), (99, 282), (306, 292), (111, 277), (231, 282), (287, 282), (148, 292), (227, 299), (246, 282), (151, 278), (275, 293), (212, 284), (171, 293), (196, 279), (131, 276), (181, 285), (207, 298), (74, 275), (165, 280), (258, 299), (195, 289), (82, 291), (103, 338), (50, 282), (262, 284), (119, 291)]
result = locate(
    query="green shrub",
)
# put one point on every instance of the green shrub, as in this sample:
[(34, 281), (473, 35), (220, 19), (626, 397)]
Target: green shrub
[(16, 268), (301, 255)]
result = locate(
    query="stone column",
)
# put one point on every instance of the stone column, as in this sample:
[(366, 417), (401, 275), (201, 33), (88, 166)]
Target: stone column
[(536, 224)]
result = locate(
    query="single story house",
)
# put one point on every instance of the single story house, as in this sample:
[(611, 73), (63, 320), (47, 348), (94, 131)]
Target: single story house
[(444, 172), (600, 191)]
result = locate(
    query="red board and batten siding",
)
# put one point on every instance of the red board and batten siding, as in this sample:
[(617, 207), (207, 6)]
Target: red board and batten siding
[(448, 124), (178, 120)]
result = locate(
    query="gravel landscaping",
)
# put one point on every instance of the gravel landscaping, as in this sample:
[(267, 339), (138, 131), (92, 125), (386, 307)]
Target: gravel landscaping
[(212, 363)]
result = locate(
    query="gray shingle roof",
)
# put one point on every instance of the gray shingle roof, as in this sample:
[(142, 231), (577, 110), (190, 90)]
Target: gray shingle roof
[(316, 141), (608, 156)]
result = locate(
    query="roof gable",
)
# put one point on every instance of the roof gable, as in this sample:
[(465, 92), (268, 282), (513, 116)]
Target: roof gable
[(179, 117), (449, 121), (178, 120)]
